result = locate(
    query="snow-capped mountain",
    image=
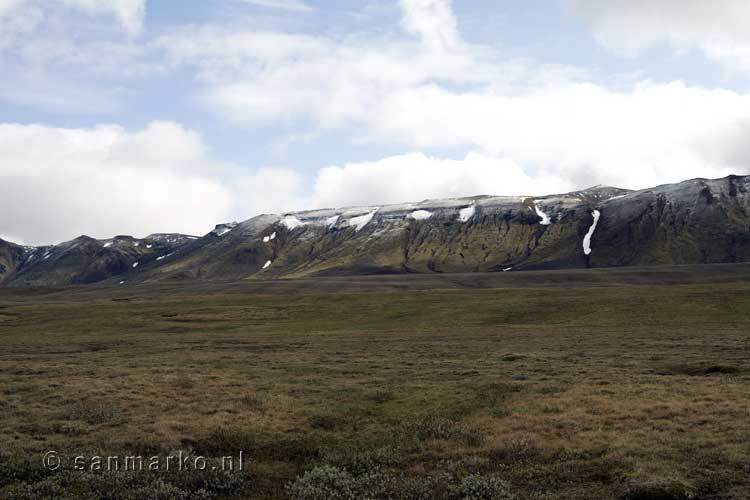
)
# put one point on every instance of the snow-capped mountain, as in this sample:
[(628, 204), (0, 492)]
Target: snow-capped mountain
[(696, 221)]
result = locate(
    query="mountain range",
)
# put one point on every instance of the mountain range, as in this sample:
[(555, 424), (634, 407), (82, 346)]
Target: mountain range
[(698, 221)]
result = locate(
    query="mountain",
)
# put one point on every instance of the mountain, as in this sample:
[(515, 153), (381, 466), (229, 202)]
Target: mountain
[(84, 260), (696, 221)]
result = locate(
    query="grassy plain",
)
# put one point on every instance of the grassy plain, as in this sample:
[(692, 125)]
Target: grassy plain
[(631, 391)]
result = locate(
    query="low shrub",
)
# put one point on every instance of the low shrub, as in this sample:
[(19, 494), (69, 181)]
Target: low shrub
[(516, 451), (333, 483), (446, 429), (668, 491), (18, 468), (324, 483), (298, 449), (363, 461), (380, 396), (254, 402), (477, 487), (490, 394), (701, 370), (324, 422), (94, 412), (123, 486), (226, 440)]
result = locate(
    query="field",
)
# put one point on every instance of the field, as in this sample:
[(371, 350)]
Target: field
[(622, 384)]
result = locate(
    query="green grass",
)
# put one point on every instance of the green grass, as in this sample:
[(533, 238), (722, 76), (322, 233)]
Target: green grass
[(544, 393)]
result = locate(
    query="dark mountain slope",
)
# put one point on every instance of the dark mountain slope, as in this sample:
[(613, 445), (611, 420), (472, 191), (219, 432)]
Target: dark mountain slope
[(12, 256), (699, 221), (87, 260)]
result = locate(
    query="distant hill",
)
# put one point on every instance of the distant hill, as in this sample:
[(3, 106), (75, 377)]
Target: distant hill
[(693, 222)]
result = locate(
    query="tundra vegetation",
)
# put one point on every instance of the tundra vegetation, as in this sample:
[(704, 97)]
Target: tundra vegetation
[(613, 391)]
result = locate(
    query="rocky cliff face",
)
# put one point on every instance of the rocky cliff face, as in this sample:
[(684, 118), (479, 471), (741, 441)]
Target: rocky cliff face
[(12, 256), (697, 221)]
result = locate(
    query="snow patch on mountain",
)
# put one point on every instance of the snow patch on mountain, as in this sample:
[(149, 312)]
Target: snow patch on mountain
[(466, 213), (546, 221), (358, 223), (291, 222), (587, 238), (268, 238), (222, 229), (420, 215), (180, 238)]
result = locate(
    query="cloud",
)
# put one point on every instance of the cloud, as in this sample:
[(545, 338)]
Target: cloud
[(269, 190), (720, 28), (104, 181), (432, 21), (53, 58), (253, 77), (431, 90), (416, 176), (500, 126), (635, 137), (282, 4), (129, 13)]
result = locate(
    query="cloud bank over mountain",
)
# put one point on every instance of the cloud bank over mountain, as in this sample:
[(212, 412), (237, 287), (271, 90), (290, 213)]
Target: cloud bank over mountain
[(440, 115)]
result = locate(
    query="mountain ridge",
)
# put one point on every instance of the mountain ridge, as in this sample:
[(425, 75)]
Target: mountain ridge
[(695, 221)]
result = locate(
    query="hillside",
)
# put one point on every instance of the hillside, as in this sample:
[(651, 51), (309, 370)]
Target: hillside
[(698, 221)]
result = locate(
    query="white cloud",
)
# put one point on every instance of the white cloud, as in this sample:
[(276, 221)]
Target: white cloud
[(129, 13), (269, 190), (432, 21), (282, 4), (105, 181), (439, 92), (639, 137), (415, 177), (719, 28), (253, 77), (65, 55)]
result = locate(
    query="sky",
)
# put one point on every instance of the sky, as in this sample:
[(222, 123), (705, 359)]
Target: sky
[(143, 116)]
